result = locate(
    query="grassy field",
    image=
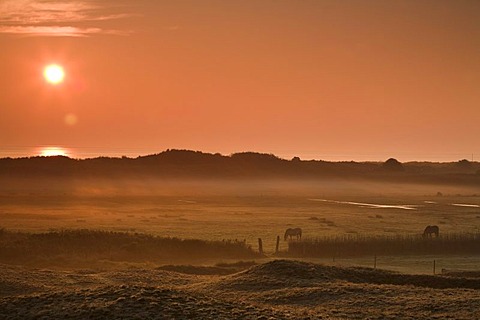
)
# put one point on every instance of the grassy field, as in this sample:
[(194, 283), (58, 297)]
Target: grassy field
[(242, 210), (116, 250)]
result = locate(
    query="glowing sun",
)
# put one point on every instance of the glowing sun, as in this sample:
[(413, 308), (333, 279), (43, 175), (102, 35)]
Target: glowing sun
[(54, 74), (53, 151)]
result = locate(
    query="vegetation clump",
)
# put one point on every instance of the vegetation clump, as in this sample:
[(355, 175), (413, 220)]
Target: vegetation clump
[(352, 245), (84, 246)]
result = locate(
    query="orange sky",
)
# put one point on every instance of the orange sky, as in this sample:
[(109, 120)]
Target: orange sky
[(334, 80)]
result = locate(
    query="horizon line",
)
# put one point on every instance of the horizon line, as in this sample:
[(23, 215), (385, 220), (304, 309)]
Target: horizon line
[(136, 155)]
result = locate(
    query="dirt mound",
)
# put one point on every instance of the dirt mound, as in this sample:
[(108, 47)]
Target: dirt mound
[(290, 273), (276, 275)]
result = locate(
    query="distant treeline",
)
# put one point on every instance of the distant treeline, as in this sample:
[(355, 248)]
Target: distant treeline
[(365, 245), (195, 164), (84, 247)]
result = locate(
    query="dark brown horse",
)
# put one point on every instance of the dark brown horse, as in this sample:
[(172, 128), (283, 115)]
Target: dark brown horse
[(290, 233), (429, 230)]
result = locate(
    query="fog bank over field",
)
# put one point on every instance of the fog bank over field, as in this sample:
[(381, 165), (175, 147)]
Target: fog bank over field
[(183, 172), (336, 188)]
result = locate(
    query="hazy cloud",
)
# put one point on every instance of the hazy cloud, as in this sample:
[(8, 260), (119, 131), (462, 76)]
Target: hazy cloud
[(57, 31), (56, 18)]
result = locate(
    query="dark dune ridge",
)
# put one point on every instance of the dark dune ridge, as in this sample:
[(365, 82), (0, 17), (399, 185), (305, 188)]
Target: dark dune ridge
[(281, 289), (189, 164)]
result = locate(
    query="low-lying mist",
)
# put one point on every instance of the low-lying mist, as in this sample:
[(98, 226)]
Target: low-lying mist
[(141, 186)]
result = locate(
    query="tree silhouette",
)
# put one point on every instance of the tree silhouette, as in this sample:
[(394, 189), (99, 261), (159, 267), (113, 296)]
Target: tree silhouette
[(393, 165)]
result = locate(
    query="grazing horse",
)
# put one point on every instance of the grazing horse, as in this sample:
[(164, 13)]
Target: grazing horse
[(297, 232), (429, 230)]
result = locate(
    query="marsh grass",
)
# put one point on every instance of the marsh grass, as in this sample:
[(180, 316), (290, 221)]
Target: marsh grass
[(354, 245), (77, 246)]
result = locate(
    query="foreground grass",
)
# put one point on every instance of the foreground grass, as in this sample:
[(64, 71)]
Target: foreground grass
[(364, 245), (69, 247), (281, 289)]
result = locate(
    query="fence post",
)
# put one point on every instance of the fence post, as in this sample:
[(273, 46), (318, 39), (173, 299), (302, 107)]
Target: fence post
[(260, 246), (433, 267), (278, 244)]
